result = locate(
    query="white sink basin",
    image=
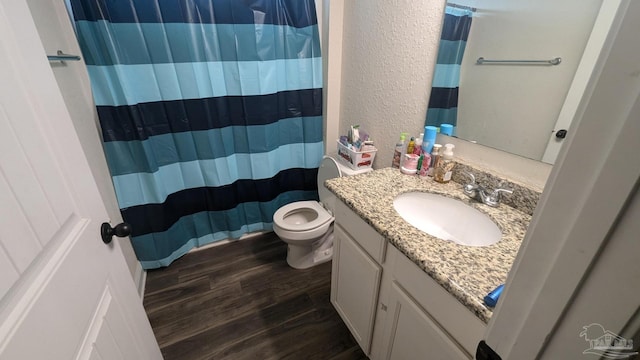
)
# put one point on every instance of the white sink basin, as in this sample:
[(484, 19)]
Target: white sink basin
[(447, 219)]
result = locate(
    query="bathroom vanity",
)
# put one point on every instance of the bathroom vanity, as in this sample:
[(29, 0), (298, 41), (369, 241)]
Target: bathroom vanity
[(405, 294)]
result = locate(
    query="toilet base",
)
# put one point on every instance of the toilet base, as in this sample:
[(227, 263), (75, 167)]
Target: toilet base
[(304, 257)]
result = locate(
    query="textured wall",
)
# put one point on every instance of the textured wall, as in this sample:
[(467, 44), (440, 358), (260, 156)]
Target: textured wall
[(389, 51)]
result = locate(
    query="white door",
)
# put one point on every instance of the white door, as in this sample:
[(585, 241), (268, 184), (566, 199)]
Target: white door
[(64, 294)]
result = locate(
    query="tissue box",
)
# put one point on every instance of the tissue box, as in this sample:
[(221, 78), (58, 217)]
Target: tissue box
[(356, 160)]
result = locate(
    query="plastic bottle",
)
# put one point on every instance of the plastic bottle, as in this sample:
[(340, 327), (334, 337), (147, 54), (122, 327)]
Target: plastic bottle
[(435, 158), (399, 151), (424, 165), (444, 168), (417, 148), (446, 129), (429, 139), (411, 145), (492, 298)]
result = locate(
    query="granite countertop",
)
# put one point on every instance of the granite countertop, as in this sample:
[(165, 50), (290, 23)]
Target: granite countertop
[(468, 273)]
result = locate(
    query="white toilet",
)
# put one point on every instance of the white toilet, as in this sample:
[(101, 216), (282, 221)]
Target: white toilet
[(307, 226)]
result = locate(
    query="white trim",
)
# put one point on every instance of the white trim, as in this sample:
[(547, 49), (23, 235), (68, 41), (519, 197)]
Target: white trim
[(595, 173), (140, 279), (332, 31), (228, 241)]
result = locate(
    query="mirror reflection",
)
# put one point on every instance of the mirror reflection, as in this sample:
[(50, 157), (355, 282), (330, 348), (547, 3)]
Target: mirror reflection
[(515, 106)]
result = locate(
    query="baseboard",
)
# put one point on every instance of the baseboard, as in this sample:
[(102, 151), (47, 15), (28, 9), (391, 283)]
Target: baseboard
[(226, 241), (140, 280)]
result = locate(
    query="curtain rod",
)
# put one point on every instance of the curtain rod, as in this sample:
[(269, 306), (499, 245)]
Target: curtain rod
[(461, 6)]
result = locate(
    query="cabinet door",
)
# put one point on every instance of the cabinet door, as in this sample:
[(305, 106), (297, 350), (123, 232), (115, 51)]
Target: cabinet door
[(412, 334), (355, 281)]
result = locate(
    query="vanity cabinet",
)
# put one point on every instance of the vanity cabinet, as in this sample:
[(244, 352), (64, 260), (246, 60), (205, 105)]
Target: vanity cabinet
[(418, 319), (410, 333), (392, 307), (356, 274)]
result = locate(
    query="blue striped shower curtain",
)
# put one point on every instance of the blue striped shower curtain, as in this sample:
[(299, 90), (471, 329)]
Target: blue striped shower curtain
[(443, 102), (211, 113)]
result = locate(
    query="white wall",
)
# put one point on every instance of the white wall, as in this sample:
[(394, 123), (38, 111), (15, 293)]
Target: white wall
[(515, 108), (56, 33), (389, 49)]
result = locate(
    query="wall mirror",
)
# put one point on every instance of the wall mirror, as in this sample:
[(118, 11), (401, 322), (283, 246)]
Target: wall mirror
[(516, 104)]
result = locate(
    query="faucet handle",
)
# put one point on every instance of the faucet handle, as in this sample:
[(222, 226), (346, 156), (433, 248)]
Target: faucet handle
[(497, 192), (470, 176), (494, 198), (470, 189)]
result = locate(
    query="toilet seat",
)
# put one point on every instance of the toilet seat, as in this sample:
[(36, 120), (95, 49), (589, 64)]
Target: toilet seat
[(321, 219)]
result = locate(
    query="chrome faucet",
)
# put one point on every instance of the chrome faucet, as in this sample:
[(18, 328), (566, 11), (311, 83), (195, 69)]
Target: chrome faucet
[(480, 193)]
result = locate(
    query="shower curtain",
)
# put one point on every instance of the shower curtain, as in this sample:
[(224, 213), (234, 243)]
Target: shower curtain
[(443, 102), (211, 113)]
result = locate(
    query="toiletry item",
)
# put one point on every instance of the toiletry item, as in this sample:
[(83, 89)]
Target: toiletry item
[(399, 151), (425, 166), (429, 140), (417, 148), (492, 298), (444, 168), (410, 163), (435, 158), (411, 145), (446, 129), (406, 171), (368, 146), (353, 134)]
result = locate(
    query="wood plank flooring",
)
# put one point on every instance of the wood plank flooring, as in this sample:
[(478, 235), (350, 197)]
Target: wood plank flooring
[(242, 301)]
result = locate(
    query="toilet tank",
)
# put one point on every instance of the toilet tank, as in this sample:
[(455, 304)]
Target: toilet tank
[(330, 169)]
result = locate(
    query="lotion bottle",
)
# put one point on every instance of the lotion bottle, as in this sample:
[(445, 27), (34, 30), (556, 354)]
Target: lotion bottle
[(399, 151), (435, 158), (444, 168)]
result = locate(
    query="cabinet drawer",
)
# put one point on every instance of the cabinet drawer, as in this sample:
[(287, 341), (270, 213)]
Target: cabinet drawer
[(369, 239)]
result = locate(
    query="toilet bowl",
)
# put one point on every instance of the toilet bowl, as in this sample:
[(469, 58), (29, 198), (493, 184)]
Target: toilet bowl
[(307, 226)]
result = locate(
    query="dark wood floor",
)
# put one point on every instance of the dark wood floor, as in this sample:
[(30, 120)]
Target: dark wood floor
[(242, 301)]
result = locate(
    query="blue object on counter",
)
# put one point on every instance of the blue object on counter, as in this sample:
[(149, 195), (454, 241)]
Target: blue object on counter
[(492, 298), (446, 129), (430, 133)]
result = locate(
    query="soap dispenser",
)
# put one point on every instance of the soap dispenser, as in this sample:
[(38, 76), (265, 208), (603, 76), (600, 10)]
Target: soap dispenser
[(444, 168)]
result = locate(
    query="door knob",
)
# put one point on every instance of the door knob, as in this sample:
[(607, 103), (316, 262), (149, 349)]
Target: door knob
[(561, 134), (107, 232)]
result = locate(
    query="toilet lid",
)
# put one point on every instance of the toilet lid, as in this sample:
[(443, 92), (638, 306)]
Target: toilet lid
[(322, 218), (328, 170)]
